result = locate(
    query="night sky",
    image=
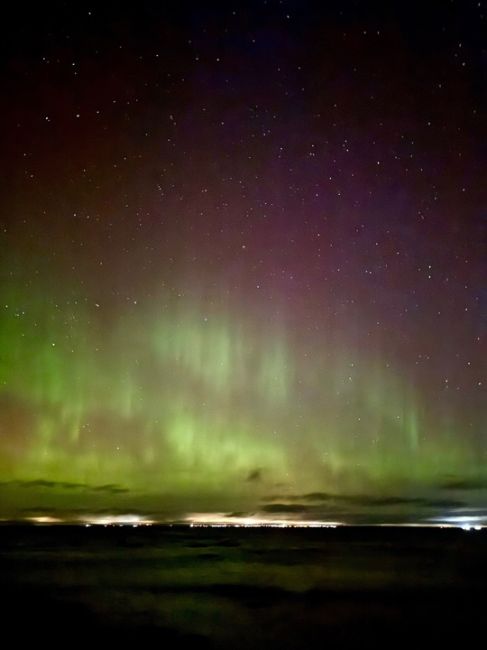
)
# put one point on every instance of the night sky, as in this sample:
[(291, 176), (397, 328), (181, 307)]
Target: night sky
[(243, 259)]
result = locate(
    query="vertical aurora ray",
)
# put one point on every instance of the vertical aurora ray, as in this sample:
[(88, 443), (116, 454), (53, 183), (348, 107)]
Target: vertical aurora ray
[(191, 401)]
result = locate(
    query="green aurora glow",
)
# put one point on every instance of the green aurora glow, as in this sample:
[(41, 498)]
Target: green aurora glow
[(189, 402)]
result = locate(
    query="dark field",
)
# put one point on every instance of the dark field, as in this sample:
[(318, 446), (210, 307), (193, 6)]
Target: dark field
[(243, 588)]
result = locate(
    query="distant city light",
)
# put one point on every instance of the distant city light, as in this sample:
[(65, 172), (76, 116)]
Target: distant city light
[(116, 520), (465, 522), (227, 520), (223, 520)]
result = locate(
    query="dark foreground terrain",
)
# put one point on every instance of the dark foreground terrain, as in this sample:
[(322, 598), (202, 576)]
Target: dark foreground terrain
[(243, 588)]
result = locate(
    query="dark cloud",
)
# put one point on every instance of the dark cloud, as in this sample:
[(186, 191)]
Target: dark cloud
[(311, 496), (40, 483), (367, 501), (109, 488), (443, 503), (457, 483), (72, 486), (287, 507), (318, 496), (254, 475)]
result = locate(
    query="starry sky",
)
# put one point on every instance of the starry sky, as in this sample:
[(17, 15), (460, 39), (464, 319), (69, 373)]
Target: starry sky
[(243, 258)]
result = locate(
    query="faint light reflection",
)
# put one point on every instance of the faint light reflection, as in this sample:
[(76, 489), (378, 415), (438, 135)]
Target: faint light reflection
[(44, 520), (116, 520)]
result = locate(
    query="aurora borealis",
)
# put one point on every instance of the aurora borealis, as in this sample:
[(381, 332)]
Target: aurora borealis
[(243, 258)]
